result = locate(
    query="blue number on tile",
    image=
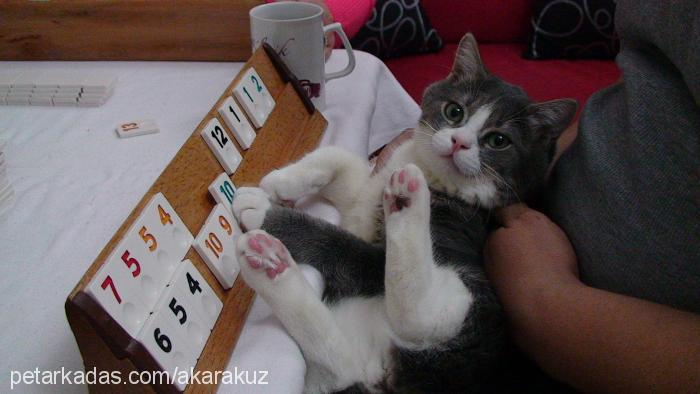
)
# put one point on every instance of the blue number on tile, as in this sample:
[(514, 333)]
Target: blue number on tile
[(257, 84), (228, 191)]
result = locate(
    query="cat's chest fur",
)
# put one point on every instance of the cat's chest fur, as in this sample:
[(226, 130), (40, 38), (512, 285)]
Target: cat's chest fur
[(479, 193)]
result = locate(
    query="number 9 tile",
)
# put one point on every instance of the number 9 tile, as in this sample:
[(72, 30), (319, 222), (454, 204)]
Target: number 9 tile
[(215, 244)]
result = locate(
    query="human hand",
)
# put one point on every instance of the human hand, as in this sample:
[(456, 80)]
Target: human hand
[(528, 255), (385, 153)]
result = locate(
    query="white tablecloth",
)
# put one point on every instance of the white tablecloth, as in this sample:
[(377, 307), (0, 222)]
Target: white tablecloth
[(75, 182)]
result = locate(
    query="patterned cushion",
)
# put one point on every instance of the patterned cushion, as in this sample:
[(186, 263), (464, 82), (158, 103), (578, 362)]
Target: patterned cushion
[(573, 29), (396, 28)]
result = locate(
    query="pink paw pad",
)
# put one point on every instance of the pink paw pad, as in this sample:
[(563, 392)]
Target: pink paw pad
[(268, 254), (399, 194)]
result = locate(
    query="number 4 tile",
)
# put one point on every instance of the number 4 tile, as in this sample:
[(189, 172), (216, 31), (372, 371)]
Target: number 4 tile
[(215, 244), (253, 95), (221, 145), (223, 190), (197, 294)]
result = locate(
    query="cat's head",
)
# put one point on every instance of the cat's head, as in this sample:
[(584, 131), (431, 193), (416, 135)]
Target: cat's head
[(484, 139)]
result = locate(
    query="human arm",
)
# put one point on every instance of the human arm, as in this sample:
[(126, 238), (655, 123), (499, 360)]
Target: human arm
[(595, 340)]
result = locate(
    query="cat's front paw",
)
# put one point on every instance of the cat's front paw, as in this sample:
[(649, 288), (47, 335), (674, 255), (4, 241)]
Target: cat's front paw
[(287, 185), (406, 193), (263, 258), (250, 205)]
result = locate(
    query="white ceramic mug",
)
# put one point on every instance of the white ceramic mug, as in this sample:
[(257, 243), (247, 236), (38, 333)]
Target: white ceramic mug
[(295, 30)]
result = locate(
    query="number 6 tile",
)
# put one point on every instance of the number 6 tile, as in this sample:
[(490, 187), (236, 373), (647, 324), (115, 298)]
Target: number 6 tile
[(215, 244)]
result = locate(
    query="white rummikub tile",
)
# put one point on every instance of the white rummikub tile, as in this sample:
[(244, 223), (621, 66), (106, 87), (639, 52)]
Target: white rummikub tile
[(136, 128), (141, 265), (253, 95), (40, 100), (69, 91), (25, 80), (167, 343), (20, 91), (17, 100), (197, 293), (237, 122), (174, 238), (98, 82), (72, 94), (176, 309), (69, 81), (89, 103), (119, 287), (7, 78), (47, 81), (65, 101), (221, 145), (215, 244), (44, 92), (223, 190), (95, 96), (48, 95)]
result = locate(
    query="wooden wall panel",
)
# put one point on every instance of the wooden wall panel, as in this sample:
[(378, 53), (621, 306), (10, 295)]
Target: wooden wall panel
[(199, 30)]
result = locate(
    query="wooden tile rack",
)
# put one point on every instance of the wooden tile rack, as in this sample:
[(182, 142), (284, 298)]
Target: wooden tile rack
[(290, 131)]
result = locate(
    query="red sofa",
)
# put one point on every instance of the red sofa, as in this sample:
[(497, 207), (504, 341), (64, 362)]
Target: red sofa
[(501, 27)]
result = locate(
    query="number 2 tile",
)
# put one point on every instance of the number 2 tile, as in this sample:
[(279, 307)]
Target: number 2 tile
[(253, 95), (221, 145), (215, 243)]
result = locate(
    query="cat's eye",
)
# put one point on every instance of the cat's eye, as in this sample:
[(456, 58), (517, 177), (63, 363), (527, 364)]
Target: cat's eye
[(453, 112), (497, 141)]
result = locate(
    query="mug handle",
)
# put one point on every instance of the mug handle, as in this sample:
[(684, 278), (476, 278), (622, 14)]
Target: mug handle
[(336, 27)]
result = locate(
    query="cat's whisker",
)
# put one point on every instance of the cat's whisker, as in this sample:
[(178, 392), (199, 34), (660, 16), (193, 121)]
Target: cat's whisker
[(498, 178), (426, 124)]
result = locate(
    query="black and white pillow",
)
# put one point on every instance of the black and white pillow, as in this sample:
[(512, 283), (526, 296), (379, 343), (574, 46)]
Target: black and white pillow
[(573, 29), (396, 28)]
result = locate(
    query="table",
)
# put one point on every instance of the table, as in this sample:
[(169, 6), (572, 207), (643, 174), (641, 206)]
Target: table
[(75, 182)]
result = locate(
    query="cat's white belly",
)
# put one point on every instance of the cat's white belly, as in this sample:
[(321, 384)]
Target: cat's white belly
[(364, 322)]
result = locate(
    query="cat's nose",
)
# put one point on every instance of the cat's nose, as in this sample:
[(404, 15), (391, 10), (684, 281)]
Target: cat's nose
[(458, 143)]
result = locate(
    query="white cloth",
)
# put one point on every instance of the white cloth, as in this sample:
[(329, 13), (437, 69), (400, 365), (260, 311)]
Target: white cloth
[(75, 182)]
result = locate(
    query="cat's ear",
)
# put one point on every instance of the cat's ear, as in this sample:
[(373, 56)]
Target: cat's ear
[(551, 118), (468, 64)]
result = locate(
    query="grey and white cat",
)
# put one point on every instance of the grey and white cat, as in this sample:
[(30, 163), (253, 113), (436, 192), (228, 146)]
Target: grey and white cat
[(406, 305)]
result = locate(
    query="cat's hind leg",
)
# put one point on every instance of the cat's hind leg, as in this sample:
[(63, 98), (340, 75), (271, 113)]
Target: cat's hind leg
[(268, 268), (426, 303)]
